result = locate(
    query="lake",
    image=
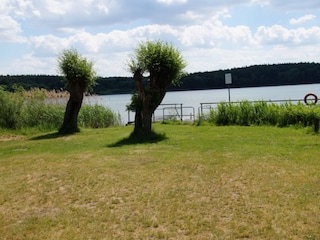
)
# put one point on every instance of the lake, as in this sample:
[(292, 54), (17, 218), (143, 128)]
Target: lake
[(191, 100)]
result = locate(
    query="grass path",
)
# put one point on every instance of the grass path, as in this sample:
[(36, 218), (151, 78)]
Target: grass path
[(198, 183)]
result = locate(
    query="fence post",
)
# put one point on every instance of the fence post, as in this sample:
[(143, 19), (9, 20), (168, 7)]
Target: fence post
[(316, 124)]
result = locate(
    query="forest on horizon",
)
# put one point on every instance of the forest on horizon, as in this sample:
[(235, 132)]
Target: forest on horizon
[(250, 76)]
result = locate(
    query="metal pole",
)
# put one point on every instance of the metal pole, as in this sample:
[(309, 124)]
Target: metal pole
[(229, 93)]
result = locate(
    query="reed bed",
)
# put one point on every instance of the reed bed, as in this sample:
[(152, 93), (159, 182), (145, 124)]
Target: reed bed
[(260, 113), (45, 110)]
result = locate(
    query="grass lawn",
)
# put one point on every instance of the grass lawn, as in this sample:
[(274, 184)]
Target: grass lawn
[(202, 182)]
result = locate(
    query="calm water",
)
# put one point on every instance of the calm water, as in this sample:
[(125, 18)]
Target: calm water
[(193, 98)]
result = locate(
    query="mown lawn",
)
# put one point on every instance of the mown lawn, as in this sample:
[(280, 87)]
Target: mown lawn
[(201, 182)]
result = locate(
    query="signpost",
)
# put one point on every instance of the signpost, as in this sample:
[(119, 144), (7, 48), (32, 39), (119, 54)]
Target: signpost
[(228, 81)]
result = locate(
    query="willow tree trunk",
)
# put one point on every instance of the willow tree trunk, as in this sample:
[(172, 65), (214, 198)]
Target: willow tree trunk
[(70, 122), (143, 119), (138, 122), (147, 112), (149, 99)]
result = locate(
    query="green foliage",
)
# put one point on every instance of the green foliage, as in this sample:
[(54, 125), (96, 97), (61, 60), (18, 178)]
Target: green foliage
[(32, 110), (158, 59), (76, 68), (10, 109), (97, 116), (39, 114), (136, 102), (262, 113)]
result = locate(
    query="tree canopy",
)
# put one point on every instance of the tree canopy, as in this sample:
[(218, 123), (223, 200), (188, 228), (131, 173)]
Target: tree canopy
[(76, 69), (160, 59)]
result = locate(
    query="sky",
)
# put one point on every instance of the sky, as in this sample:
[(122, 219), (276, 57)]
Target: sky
[(210, 34)]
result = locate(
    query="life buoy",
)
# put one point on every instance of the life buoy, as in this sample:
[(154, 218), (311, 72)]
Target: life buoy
[(307, 100)]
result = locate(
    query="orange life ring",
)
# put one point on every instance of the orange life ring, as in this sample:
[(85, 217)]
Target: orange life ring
[(315, 99)]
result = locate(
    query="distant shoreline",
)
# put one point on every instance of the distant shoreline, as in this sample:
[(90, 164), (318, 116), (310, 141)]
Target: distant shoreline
[(251, 76)]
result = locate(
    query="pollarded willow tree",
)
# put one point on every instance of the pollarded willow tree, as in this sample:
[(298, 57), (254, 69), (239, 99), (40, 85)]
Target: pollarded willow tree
[(164, 66), (79, 76)]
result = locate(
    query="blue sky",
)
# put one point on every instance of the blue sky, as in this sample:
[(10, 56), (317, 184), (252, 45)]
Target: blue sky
[(211, 34)]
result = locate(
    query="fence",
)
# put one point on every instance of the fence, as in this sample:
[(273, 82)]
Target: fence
[(171, 111), (205, 107), (176, 111)]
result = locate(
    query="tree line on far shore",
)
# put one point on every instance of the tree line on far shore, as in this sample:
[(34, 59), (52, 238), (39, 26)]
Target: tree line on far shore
[(251, 76)]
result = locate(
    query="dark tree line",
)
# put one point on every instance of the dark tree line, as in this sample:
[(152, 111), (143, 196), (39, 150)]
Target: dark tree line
[(252, 76)]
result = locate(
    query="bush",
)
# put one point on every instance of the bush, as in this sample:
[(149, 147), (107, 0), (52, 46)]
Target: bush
[(261, 113)]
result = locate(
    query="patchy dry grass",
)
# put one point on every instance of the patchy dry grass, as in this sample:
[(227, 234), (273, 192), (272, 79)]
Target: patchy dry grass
[(197, 183)]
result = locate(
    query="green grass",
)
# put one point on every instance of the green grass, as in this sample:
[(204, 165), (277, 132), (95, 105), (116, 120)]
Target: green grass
[(191, 182)]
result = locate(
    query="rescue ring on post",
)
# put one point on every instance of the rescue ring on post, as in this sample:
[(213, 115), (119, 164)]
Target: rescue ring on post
[(310, 101)]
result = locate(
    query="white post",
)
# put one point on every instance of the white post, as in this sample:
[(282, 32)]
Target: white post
[(228, 81)]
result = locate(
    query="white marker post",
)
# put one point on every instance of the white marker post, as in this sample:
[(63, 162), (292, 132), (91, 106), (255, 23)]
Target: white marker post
[(228, 81)]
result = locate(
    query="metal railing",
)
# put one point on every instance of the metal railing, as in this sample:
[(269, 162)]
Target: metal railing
[(212, 105), (182, 115), (176, 111), (171, 111)]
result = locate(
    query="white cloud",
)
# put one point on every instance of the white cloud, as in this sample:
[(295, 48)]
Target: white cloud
[(195, 41), (169, 2), (303, 19), (279, 35), (28, 63), (295, 4), (107, 31), (47, 45), (10, 30), (273, 35), (262, 3)]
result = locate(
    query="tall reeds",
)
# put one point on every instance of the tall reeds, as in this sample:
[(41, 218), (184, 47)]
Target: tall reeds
[(248, 113), (45, 110)]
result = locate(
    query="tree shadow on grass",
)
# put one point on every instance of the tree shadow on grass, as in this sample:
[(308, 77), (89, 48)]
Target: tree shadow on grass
[(50, 136), (134, 139)]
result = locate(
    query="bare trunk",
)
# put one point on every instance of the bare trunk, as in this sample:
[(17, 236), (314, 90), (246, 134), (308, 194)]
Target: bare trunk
[(150, 100), (147, 120), (143, 119), (70, 122), (138, 122)]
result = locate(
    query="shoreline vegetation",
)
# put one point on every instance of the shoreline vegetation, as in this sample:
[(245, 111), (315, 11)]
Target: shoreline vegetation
[(251, 76), (42, 109)]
